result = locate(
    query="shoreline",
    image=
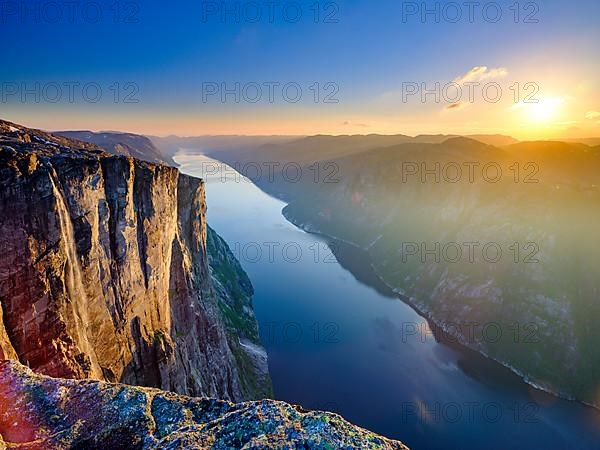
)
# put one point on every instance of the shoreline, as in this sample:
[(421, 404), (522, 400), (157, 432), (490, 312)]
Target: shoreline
[(398, 293), (426, 314)]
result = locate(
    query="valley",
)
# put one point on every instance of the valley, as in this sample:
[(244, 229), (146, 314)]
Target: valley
[(340, 339)]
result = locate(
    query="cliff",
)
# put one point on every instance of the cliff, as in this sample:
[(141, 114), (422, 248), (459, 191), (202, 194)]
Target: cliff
[(37, 412), (104, 272)]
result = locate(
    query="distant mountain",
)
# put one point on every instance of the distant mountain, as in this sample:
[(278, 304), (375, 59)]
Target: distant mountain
[(299, 149), (498, 140), (170, 145), (128, 144), (323, 147), (311, 149), (491, 139), (588, 141)]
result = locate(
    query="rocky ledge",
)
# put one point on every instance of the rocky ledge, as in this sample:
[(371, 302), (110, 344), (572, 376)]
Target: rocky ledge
[(39, 412)]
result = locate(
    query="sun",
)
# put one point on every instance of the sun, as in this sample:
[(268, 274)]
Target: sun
[(545, 110)]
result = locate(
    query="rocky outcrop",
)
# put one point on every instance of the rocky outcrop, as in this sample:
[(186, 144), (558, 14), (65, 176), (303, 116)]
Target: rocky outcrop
[(38, 412), (232, 286), (234, 292), (104, 271)]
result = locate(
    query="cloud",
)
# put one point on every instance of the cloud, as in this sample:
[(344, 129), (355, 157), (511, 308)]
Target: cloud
[(476, 74), (348, 123), (480, 73), (591, 115), (457, 106)]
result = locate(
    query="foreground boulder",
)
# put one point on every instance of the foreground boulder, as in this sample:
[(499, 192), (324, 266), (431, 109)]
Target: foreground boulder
[(39, 412)]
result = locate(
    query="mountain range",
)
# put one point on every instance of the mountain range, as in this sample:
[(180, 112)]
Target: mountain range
[(434, 211)]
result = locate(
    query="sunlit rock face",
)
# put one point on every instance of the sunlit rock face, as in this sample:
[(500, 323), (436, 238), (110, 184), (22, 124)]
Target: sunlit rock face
[(104, 271), (38, 412)]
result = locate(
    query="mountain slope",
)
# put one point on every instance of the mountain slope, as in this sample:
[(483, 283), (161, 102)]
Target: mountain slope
[(126, 144), (426, 212), (312, 149)]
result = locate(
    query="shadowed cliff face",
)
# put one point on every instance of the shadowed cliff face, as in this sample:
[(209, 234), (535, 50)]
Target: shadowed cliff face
[(104, 271), (38, 412)]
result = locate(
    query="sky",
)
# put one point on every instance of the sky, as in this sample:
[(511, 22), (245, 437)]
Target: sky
[(527, 69)]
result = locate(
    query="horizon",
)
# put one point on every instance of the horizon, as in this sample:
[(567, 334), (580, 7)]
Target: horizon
[(299, 136)]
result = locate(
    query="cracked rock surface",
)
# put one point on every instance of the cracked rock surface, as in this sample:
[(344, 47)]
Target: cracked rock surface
[(38, 412)]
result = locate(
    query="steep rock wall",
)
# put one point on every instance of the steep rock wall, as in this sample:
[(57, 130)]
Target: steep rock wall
[(104, 270)]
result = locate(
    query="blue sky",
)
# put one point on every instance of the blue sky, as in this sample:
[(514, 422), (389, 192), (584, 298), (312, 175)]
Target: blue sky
[(365, 48)]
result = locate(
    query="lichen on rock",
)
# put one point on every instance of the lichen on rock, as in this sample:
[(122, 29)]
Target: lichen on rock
[(38, 412)]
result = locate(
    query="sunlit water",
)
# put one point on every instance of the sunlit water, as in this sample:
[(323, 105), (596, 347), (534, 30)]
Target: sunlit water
[(338, 344)]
